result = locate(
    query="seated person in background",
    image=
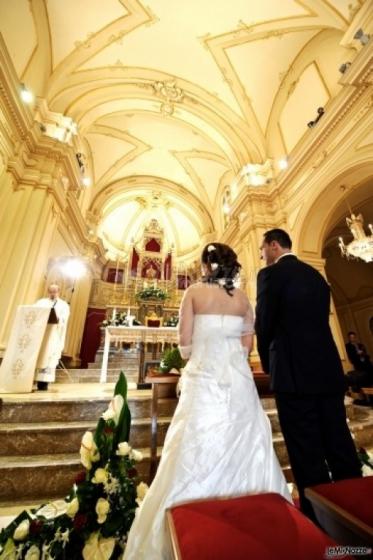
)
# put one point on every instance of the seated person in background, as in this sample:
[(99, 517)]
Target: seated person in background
[(358, 355), (362, 376)]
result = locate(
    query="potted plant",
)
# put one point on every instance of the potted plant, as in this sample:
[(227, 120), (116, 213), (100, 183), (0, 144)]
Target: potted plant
[(171, 361)]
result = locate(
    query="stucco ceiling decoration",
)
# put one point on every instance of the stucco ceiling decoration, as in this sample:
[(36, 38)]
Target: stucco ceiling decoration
[(183, 94), (125, 214)]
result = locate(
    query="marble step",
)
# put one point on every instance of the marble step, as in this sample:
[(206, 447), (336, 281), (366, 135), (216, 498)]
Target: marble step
[(46, 407), (42, 408), (53, 438), (47, 476), (42, 477), (74, 375), (120, 359)]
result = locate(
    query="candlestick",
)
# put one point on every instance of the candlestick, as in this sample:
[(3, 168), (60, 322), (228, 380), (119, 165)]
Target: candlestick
[(116, 277)]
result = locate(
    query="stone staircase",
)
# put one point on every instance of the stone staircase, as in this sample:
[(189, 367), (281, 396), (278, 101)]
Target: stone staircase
[(40, 439), (119, 360), (92, 375)]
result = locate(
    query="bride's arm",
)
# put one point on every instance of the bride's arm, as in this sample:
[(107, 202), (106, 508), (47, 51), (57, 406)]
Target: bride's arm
[(186, 317), (247, 335)]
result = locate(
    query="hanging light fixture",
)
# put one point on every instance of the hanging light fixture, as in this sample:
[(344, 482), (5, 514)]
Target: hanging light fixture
[(361, 247), (26, 95)]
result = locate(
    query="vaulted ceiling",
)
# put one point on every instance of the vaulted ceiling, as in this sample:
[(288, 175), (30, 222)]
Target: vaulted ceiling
[(173, 98)]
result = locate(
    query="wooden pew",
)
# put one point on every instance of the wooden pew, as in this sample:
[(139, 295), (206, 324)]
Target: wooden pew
[(163, 387), (345, 510)]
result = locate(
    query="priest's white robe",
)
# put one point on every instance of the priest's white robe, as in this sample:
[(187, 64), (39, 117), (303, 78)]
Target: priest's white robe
[(53, 341)]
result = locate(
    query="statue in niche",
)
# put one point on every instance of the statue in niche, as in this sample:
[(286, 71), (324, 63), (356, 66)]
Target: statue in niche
[(151, 273)]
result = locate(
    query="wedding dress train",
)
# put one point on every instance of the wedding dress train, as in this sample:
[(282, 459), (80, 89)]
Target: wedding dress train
[(219, 442)]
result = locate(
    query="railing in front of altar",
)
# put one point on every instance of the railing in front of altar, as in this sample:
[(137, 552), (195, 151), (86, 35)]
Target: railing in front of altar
[(139, 335)]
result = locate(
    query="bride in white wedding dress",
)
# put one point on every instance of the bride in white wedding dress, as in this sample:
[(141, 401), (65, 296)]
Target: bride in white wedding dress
[(219, 442)]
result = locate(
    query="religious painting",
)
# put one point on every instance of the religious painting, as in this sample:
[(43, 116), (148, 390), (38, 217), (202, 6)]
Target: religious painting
[(151, 368)]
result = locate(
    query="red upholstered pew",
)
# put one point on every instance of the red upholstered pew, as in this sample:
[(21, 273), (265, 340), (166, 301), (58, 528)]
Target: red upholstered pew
[(257, 527), (345, 510)]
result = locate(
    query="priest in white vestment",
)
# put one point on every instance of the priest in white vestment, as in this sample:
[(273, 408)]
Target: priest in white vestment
[(54, 337)]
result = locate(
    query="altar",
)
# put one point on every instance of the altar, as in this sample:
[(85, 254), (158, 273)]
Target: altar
[(136, 335)]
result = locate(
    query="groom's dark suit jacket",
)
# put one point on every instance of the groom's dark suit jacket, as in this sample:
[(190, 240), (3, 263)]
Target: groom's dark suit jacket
[(295, 342)]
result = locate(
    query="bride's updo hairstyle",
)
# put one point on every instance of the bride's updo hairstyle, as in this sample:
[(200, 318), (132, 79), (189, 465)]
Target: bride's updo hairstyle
[(222, 265)]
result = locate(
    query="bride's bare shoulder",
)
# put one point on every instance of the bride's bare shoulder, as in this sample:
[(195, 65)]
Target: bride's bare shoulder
[(197, 285), (193, 288), (241, 294)]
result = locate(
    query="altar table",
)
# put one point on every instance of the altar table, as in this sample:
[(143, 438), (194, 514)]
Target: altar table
[(140, 335)]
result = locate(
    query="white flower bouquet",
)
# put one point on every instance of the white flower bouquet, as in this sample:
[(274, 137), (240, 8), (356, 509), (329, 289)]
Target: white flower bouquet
[(94, 520)]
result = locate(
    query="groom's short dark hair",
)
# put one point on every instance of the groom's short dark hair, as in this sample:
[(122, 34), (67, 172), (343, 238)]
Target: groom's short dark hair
[(279, 235)]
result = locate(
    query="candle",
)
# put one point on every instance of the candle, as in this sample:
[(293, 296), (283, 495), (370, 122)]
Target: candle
[(116, 276), (114, 313)]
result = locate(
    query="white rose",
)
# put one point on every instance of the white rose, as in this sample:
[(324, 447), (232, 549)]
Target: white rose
[(22, 530), (123, 449), (367, 471), (136, 455), (141, 490), (100, 476), (33, 553), (109, 414), (114, 410), (72, 508), (88, 451), (102, 509)]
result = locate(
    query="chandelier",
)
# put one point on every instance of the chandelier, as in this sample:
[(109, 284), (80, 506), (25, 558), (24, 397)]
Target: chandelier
[(362, 245)]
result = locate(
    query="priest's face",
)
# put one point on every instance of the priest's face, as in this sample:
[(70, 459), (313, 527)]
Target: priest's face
[(53, 292)]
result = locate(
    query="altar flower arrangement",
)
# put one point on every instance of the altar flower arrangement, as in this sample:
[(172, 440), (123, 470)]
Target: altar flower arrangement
[(119, 320), (152, 293), (171, 321), (93, 521)]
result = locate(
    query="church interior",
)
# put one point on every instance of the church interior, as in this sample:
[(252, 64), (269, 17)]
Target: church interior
[(134, 133)]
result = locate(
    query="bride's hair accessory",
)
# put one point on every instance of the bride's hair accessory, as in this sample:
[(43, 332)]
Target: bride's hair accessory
[(223, 266)]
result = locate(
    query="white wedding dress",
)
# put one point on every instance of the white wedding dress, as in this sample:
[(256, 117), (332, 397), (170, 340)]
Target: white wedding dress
[(219, 442)]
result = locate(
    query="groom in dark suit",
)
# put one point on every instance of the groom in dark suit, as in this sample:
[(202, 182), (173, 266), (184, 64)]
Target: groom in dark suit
[(297, 349)]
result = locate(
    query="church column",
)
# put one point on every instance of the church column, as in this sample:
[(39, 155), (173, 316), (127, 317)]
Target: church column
[(251, 266), (319, 264), (27, 229)]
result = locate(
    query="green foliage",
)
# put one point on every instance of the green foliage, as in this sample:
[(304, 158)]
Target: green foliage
[(152, 293), (171, 321), (171, 359), (365, 458)]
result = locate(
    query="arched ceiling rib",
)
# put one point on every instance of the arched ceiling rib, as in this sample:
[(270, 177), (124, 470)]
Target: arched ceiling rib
[(178, 94)]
